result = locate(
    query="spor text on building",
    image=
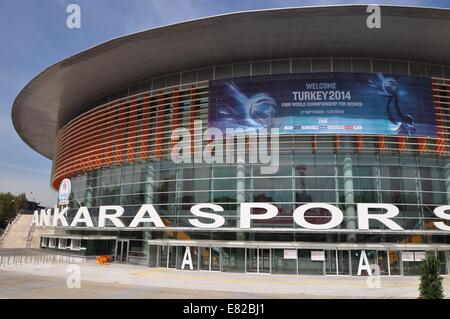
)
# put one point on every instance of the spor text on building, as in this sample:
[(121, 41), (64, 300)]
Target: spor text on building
[(362, 117)]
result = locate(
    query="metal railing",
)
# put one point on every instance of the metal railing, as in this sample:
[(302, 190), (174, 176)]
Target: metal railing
[(17, 260), (30, 237), (5, 232)]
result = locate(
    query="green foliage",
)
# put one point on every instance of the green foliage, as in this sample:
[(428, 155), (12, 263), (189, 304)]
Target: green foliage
[(430, 280), (9, 207)]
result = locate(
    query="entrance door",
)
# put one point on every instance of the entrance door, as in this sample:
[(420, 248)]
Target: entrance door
[(330, 262), (252, 260), (394, 263), (162, 256), (343, 262), (122, 251), (264, 260), (215, 258), (173, 256), (382, 266), (258, 260)]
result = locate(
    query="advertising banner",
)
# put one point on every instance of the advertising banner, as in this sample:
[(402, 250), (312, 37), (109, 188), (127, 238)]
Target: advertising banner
[(407, 256), (325, 103), (290, 254), (318, 255), (419, 255)]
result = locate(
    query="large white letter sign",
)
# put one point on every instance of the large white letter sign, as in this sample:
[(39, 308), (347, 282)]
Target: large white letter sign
[(336, 216), (45, 218), (82, 216), (154, 217), (102, 216), (364, 216), (440, 212), (219, 221), (364, 264), (60, 216), (35, 220), (246, 216), (187, 259)]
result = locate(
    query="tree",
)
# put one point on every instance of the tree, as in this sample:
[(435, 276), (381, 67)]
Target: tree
[(430, 280), (10, 206)]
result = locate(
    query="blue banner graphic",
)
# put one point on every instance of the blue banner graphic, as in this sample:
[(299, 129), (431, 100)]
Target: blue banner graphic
[(325, 103)]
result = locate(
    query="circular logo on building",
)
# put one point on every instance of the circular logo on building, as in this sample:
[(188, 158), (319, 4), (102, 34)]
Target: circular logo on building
[(64, 192)]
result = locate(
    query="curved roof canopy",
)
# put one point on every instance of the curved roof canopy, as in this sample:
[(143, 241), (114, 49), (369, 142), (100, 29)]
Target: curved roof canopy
[(60, 92)]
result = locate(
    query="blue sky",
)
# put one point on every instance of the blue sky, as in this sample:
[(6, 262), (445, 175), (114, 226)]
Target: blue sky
[(34, 36)]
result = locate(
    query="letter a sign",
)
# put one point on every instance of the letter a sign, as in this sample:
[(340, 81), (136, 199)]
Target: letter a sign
[(364, 264), (187, 259)]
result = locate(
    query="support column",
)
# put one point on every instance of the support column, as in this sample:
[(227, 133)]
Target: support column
[(90, 184), (179, 189), (148, 199), (447, 182), (89, 196), (350, 213), (240, 193), (240, 180), (149, 189), (149, 183)]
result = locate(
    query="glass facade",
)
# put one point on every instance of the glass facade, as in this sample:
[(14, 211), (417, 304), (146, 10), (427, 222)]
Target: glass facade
[(129, 165), (416, 184), (335, 262)]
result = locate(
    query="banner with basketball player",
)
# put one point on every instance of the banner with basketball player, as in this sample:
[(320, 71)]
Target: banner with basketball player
[(325, 103)]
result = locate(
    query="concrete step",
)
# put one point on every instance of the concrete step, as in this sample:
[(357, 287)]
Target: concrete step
[(17, 235)]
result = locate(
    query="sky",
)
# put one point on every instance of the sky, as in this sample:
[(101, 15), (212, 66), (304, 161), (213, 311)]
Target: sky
[(34, 36)]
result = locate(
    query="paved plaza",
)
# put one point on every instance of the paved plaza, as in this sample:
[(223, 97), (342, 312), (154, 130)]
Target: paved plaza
[(115, 280)]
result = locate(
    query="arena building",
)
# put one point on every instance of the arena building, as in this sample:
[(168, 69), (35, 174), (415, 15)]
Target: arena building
[(361, 119)]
